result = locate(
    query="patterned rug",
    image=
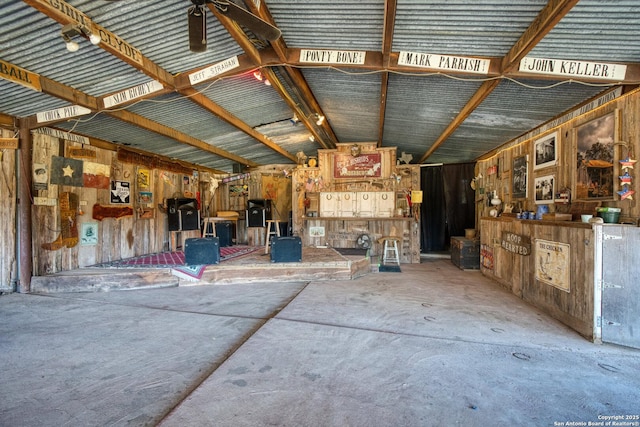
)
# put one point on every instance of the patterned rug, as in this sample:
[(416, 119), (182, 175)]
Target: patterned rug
[(173, 259)]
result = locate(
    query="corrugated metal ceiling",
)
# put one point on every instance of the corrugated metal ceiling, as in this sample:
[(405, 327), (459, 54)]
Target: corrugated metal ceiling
[(410, 110)]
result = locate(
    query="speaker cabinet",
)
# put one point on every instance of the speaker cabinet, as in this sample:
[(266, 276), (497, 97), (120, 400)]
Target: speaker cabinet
[(183, 214), (256, 217)]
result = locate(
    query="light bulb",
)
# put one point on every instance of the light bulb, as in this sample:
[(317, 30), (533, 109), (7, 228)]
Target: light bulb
[(94, 39), (320, 120), (72, 46)]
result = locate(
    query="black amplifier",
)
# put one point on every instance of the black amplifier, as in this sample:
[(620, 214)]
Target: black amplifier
[(286, 249), (202, 251)]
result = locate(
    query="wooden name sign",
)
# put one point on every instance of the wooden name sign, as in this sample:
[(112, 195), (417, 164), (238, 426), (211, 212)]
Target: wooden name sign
[(516, 243), (11, 143)]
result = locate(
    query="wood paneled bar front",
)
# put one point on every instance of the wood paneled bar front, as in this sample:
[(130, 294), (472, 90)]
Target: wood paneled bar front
[(549, 264)]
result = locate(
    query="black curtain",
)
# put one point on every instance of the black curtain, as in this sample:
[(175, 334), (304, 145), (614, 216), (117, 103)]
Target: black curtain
[(460, 197), (432, 211), (448, 204)]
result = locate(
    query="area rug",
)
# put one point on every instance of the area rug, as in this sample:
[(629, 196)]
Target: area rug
[(173, 259)]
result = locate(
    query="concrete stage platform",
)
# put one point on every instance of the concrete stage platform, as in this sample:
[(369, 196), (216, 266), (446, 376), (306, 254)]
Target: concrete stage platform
[(317, 264)]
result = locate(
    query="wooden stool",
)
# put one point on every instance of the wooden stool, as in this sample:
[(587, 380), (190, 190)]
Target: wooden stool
[(390, 252), (269, 233), (205, 229)]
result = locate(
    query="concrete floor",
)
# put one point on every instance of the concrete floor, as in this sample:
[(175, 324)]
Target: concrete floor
[(431, 346)]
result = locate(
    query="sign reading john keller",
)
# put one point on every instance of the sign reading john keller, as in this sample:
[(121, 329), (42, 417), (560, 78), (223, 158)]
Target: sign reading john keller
[(348, 166)]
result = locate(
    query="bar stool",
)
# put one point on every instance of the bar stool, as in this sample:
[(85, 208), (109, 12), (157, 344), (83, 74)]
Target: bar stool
[(269, 233), (390, 252), (205, 229)]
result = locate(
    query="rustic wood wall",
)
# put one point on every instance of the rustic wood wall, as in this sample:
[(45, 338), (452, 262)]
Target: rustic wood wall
[(342, 232), (8, 188), (144, 231), (627, 110), (517, 272)]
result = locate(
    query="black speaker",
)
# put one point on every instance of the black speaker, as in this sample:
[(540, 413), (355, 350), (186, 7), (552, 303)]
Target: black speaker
[(183, 214), (224, 231), (261, 203), (256, 217)]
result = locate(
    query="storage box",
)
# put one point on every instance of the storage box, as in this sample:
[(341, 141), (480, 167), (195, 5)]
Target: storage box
[(465, 253), (286, 249), (202, 251)]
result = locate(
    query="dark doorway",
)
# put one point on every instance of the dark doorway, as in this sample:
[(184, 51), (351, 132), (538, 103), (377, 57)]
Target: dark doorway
[(448, 206)]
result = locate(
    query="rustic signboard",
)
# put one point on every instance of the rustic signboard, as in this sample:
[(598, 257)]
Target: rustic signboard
[(516, 243), (9, 143), (552, 263), (364, 165)]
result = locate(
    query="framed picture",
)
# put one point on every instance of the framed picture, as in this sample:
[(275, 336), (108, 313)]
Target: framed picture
[(519, 173), (545, 151), (89, 234), (595, 158), (545, 189)]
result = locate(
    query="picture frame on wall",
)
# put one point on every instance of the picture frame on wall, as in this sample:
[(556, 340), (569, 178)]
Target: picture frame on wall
[(519, 177), (545, 151), (545, 188), (595, 158)]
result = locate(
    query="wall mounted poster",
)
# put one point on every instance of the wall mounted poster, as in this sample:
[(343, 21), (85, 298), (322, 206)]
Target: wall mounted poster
[(364, 165), (120, 192), (595, 158), (553, 263), (519, 178), (89, 234)]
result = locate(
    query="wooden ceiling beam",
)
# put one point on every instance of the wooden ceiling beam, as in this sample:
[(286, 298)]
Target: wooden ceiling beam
[(544, 22), (64, 13), (390, 7), (298, 80), (150, 125), (225, 115), (548, 17)]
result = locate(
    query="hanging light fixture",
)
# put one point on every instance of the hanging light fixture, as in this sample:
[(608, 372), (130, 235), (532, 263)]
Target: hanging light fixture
[(71, 30), (320, 119)]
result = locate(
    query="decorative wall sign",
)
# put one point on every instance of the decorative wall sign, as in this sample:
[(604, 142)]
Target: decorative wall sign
[(66, 171), (96, 175), (595, 158), (9, 143), (364, 165), (486, 256), (545, 188), (89, 234), (519, 177), (545, 151), (120, 192), (81, 153), (316, 231), (144, 179), (515, 243), (553, 261)]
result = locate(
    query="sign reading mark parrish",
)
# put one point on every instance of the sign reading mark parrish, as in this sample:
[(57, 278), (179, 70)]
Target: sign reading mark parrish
[(516, 243)]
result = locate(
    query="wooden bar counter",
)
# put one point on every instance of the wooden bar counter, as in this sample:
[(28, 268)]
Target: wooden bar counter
[(511, 252)]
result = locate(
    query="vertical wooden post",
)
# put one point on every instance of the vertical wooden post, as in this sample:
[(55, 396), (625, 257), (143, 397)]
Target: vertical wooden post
[(23, 173)]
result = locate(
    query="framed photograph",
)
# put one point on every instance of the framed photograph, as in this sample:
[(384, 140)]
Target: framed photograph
[(545, 151), (89, 234), (545, 189), (595, 158), (519, 173)]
